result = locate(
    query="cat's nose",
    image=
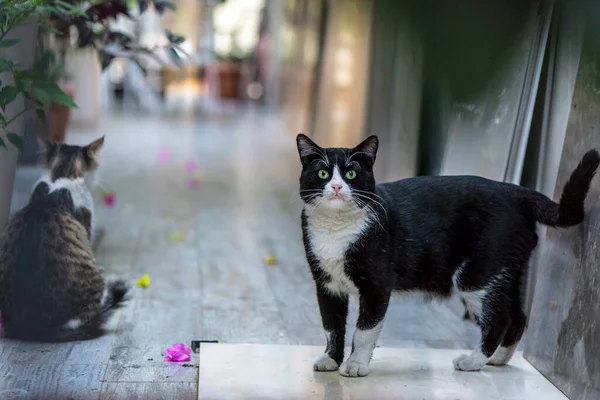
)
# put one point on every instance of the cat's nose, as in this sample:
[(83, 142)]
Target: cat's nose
[(336, 187)]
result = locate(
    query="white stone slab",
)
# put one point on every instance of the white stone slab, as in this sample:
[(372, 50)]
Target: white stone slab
[(247, 371)]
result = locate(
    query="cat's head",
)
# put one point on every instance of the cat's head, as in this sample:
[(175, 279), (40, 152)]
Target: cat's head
[(337, 178), (73, 162)]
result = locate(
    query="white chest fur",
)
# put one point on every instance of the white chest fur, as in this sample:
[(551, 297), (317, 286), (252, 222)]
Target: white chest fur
[(331, 233)]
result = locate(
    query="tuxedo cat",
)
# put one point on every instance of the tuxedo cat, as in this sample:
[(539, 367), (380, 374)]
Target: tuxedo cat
[(435, 234)]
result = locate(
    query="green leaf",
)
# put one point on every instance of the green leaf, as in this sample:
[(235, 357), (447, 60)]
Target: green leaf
[(6, 65), (51, 93), (173, 38), (49, 29), (15, 139), (8, 42), (2, 144), (41, 114), (174, 57), (7, 95), (23, 79)]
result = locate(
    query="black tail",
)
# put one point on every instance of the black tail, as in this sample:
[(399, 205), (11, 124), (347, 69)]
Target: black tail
[(116, 296), (569, 211)]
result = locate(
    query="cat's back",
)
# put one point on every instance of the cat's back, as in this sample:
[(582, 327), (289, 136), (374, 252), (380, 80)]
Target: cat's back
[(445, 190), (45, 229), (43, 253)]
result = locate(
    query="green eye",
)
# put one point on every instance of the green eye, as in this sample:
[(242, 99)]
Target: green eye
[(323, 174), (350, 174)]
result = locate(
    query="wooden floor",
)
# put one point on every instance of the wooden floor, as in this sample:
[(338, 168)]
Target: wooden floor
[(212, 285)]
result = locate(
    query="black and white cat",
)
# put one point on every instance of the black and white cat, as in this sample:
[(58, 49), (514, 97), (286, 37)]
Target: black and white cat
[(436, 234)]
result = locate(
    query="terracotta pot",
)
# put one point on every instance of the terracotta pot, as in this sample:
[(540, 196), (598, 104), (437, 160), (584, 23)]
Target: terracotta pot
[(229, 80), (58, 116)]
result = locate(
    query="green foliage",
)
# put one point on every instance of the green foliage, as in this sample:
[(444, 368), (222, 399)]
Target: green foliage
[(92, 20), (94, 29), (35, 87)]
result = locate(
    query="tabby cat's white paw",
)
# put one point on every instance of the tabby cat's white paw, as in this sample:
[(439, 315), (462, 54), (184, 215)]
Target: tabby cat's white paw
[(324, 363), (353, 368)]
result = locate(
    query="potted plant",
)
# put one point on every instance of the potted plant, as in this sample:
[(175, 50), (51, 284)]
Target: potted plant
[(51, 63), (230, 69), (233, 46), (22, 88)]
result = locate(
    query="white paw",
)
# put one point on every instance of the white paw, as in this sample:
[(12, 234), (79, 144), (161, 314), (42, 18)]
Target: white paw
[(354, 368), (324, 363), (497, 359), (471, 362), (502, 355)]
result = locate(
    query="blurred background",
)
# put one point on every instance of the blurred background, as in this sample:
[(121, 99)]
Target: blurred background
[(200, 102)]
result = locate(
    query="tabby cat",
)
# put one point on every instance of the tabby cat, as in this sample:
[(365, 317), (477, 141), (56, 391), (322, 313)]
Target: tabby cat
[(51, 288), (436, 234)]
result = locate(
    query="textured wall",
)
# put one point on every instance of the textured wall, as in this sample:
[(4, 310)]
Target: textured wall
[(563, 339), (393, 107)]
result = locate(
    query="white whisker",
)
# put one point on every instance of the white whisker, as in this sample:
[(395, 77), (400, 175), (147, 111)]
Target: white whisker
[(356, 153), (372, 212), (324, 156), (373, 200)]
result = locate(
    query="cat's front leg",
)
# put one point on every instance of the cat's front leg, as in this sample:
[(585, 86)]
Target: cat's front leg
[(372, 309), (334, 311)]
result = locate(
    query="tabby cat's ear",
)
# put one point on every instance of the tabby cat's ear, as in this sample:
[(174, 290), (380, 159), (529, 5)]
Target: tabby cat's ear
[(93, 148), (307, 148), (49, 148), (368, 148)]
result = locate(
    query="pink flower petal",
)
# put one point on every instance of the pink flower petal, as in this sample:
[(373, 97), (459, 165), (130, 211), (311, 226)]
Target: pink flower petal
[(164, 155), (177, 357), (194, 184), (181, 347), (178, 352), (191, 166), (109, 200)]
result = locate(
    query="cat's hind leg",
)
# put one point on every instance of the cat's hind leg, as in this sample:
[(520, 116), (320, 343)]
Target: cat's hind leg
[(494, 322), (509, 344)]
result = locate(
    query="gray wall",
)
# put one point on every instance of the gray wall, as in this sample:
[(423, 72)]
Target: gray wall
[(563, 337), (395, 90)]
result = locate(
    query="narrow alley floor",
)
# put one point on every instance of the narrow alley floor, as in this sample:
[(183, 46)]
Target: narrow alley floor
[(200, 202)]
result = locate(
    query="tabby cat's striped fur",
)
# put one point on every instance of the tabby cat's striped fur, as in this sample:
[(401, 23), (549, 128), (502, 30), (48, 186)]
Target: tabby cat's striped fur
[(51, 288)]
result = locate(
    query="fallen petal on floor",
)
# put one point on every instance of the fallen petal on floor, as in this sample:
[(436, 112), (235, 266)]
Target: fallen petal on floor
[(175, 237), (178, 353), (144, 281), (191, 166), (270, 260)]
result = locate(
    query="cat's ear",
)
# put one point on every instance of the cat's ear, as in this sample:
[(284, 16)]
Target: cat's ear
[(368, 148), (94, 148), (307, 148), (48, 147)]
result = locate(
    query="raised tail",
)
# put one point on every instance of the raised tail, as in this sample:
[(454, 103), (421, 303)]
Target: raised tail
[(569, 211)]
